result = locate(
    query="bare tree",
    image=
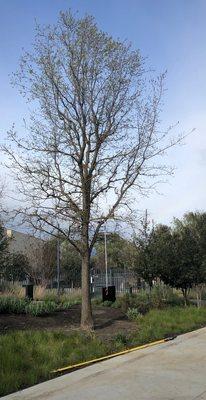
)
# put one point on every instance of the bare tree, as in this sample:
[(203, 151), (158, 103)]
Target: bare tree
[(92, 137)]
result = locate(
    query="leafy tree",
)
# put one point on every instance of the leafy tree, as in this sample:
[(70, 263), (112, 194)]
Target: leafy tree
[(70, 264), (93, 134), (16, 267), (175, 255), (4, 242), (145, 265), (192, 230), (179, 268), (120, 252)]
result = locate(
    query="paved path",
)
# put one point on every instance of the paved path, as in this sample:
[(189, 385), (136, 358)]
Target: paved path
[(171, 371)]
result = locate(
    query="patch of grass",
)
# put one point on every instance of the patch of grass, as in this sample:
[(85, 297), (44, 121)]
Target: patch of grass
[(133, 314), (28, 357), (12, 305), (73, 297), (40, 308), (157, 324), (120, 341)]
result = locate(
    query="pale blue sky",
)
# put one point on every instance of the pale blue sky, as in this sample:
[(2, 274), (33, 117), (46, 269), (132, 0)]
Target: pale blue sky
[(172, 34)]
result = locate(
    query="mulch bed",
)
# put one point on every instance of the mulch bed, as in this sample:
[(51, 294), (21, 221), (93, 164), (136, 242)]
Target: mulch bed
[(108, 322)]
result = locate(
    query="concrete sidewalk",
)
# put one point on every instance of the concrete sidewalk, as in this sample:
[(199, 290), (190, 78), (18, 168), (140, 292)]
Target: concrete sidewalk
[(171, 371)]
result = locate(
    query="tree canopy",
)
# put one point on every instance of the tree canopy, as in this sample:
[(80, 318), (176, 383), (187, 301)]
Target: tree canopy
[(93, 134)]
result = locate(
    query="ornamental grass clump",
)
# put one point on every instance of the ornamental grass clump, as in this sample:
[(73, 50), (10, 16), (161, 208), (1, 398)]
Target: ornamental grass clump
[(42, 308), (12, 305)]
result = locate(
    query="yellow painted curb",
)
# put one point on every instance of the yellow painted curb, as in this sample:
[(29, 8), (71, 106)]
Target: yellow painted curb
[(144, 346)]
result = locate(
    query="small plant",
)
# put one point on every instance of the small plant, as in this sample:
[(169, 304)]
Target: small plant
[(107, 303), (97, 301), (38, 309), (117, 303), (134, 314), (120, 341), (66, 304), (12, 305)]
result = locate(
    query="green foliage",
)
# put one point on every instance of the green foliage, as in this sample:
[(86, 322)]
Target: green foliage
[(38, 309), (134, 314), (51, 303), (16, 267), (120, 252), (4, 256), (117, 303), (176, 255), (96, 301), (158, 324), (107, 303), (29, 357), (159, 297), (71, 264), (12, 305), (151, 257), (120, 341), (66, 304)]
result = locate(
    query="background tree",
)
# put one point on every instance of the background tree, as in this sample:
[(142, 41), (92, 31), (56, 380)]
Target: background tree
[(41, 258), (4, 256), (70, 265), (192, 230), (120, 252), (94, 134), (15, 267), (145, 265), (180, 270)]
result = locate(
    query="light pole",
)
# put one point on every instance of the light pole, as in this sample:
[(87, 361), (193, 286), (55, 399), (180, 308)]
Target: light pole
[(58, 263), (105, 254), (58, 266)]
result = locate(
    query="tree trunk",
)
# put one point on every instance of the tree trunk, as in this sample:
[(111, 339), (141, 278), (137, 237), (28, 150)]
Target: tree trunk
[(185, 293), (86, 312)]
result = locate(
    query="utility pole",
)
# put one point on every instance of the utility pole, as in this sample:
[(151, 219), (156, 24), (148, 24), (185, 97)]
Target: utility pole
[(105, 254), (58, 266)]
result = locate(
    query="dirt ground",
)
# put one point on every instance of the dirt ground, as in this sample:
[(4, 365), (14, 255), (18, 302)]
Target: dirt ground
[(108, 322)]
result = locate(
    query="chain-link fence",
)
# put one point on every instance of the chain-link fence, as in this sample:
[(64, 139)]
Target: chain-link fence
[(124, 281)]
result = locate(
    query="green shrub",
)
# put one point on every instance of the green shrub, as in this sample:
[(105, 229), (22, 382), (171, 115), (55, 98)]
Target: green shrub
[(174, 300), (117, 303), (66, 304), (134, 314), (119, 341), (97, 301), (41, 308), (159, 297), (107, 303), (12, 305)]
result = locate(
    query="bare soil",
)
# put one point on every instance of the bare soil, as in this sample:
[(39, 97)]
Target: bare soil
[(108, 322)]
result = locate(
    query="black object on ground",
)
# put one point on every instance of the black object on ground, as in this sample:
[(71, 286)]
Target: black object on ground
[(29, 291), (109, 293)]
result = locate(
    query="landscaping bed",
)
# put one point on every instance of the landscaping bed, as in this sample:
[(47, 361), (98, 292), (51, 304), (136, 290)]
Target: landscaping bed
[(31, 347), (108, 321), (37, 337)]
